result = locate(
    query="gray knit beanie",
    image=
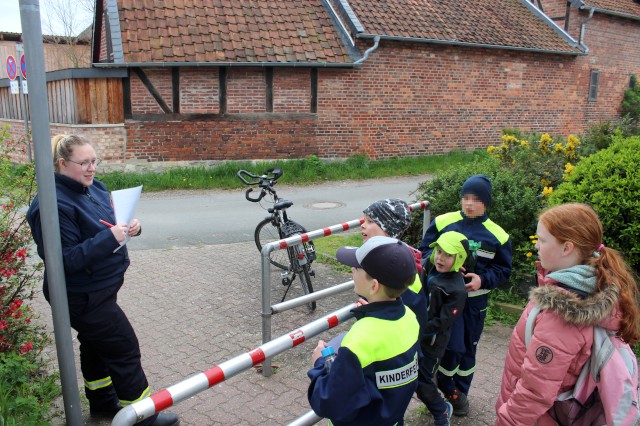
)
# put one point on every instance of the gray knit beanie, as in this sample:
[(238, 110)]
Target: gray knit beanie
[(390, 214)]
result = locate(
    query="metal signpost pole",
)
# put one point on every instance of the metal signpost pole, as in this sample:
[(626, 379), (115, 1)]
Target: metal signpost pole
[(23, 103), (32, 33)]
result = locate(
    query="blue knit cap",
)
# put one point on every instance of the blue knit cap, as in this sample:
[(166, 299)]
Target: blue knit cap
[(480, 186)]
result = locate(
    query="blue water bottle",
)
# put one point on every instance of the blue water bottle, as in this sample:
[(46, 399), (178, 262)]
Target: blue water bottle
[(329, 355)]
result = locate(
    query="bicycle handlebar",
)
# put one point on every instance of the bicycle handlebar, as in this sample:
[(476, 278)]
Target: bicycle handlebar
[(265, 182), (256, 199), (271, 176)]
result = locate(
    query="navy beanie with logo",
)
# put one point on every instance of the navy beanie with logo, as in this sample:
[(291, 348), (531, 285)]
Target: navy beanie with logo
[(480, 186)]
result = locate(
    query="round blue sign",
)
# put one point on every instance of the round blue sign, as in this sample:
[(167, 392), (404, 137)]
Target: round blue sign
[(12, 67)]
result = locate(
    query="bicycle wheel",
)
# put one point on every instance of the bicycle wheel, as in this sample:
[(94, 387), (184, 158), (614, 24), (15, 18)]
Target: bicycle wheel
[(291, 227), (266, 233), (305, 282), (304, 271)]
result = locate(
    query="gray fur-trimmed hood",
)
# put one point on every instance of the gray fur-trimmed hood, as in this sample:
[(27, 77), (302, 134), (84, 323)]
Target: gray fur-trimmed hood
[(594, 309)]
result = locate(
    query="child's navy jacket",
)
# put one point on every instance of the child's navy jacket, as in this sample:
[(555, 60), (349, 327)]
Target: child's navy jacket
[(375, 373)]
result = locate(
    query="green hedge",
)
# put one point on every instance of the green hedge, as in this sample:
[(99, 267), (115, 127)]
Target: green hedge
[(609, 181)]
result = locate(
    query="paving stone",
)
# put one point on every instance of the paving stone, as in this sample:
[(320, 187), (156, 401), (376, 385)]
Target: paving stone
[(194, 308)]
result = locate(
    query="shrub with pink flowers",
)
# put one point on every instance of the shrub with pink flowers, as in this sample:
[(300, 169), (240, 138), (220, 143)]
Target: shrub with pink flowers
[(26, 387), (19, 273)]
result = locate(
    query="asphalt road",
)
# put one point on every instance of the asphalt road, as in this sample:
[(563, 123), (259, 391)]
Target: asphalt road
[(191, 218)]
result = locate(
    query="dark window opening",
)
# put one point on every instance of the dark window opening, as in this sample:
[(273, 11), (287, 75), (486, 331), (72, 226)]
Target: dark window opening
[(222, 90), (268, 76), (314, 90), (594, 83)]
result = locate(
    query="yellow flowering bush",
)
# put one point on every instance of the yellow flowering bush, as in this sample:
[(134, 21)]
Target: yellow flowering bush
[(549, 159), (544, 161)]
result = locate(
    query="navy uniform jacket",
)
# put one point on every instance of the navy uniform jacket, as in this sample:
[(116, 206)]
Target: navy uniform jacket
[(415, 298), (447, 296), (375, 373), (87, 244), (493, 257)]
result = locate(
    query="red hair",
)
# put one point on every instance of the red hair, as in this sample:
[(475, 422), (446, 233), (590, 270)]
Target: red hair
[(580, 224)]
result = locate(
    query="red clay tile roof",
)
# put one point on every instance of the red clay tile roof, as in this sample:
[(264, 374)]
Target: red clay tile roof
[(627, 7), (228, 31), (300, 31), (507, 23)]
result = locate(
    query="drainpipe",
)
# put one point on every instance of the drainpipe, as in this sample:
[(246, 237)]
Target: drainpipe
[(583, 26), (376, 42)]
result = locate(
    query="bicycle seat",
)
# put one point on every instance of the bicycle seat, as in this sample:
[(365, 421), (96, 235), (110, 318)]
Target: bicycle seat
[(281, 205)]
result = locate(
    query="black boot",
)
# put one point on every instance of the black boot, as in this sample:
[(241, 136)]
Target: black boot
[(103, 402), (104, 410), (459, 402)]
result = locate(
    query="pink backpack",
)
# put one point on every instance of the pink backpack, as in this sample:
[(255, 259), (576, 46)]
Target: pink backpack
[(606, 392)]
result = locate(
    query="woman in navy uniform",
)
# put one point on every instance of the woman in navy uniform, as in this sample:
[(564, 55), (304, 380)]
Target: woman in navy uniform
[(94, 272)]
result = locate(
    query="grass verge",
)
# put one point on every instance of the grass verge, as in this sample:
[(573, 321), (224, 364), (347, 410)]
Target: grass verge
[(326, 248), (307, 170)]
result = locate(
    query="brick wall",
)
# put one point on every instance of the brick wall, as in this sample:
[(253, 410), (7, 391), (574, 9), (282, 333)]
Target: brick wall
[(407, 99), (225, 139), (103, 54), (199, 91), (108, 140), (555, 9), (614, 50), (424, 99), (291, 88), (142, 102), (245, 90)]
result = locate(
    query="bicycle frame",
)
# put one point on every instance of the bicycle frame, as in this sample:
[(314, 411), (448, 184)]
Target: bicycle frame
[(297, 261)]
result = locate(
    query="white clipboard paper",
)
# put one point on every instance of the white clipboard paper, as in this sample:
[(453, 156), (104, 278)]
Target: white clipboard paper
[(125, 202)]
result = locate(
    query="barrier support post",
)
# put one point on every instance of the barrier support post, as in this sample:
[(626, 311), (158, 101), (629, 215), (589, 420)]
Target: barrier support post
[(266, 305)]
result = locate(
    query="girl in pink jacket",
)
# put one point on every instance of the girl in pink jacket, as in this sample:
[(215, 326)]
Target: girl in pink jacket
[(581, 283)]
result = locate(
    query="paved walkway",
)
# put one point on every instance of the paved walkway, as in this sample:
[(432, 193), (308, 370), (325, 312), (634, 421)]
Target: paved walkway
[(194, 308)]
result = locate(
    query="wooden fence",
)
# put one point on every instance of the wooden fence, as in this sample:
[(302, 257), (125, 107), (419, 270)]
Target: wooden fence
[(75, 97)]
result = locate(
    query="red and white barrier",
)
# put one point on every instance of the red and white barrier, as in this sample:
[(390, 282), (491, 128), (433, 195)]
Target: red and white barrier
[(195, 384), (268, 310)]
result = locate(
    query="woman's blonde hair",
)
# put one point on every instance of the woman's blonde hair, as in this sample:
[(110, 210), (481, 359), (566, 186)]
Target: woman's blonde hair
[(580, 224), (62, 147)]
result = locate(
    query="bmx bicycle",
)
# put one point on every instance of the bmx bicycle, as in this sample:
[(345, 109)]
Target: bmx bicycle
[(294, 261)]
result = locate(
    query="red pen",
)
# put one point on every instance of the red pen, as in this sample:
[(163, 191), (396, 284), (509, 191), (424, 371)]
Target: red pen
[(104, 222)]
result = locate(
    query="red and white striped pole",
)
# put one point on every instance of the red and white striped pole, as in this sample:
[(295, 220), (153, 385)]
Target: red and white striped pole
[(187, 388), (267, 311)]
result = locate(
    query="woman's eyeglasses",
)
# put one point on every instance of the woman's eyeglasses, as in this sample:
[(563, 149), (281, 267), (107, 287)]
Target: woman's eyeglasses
[(85, 164)]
